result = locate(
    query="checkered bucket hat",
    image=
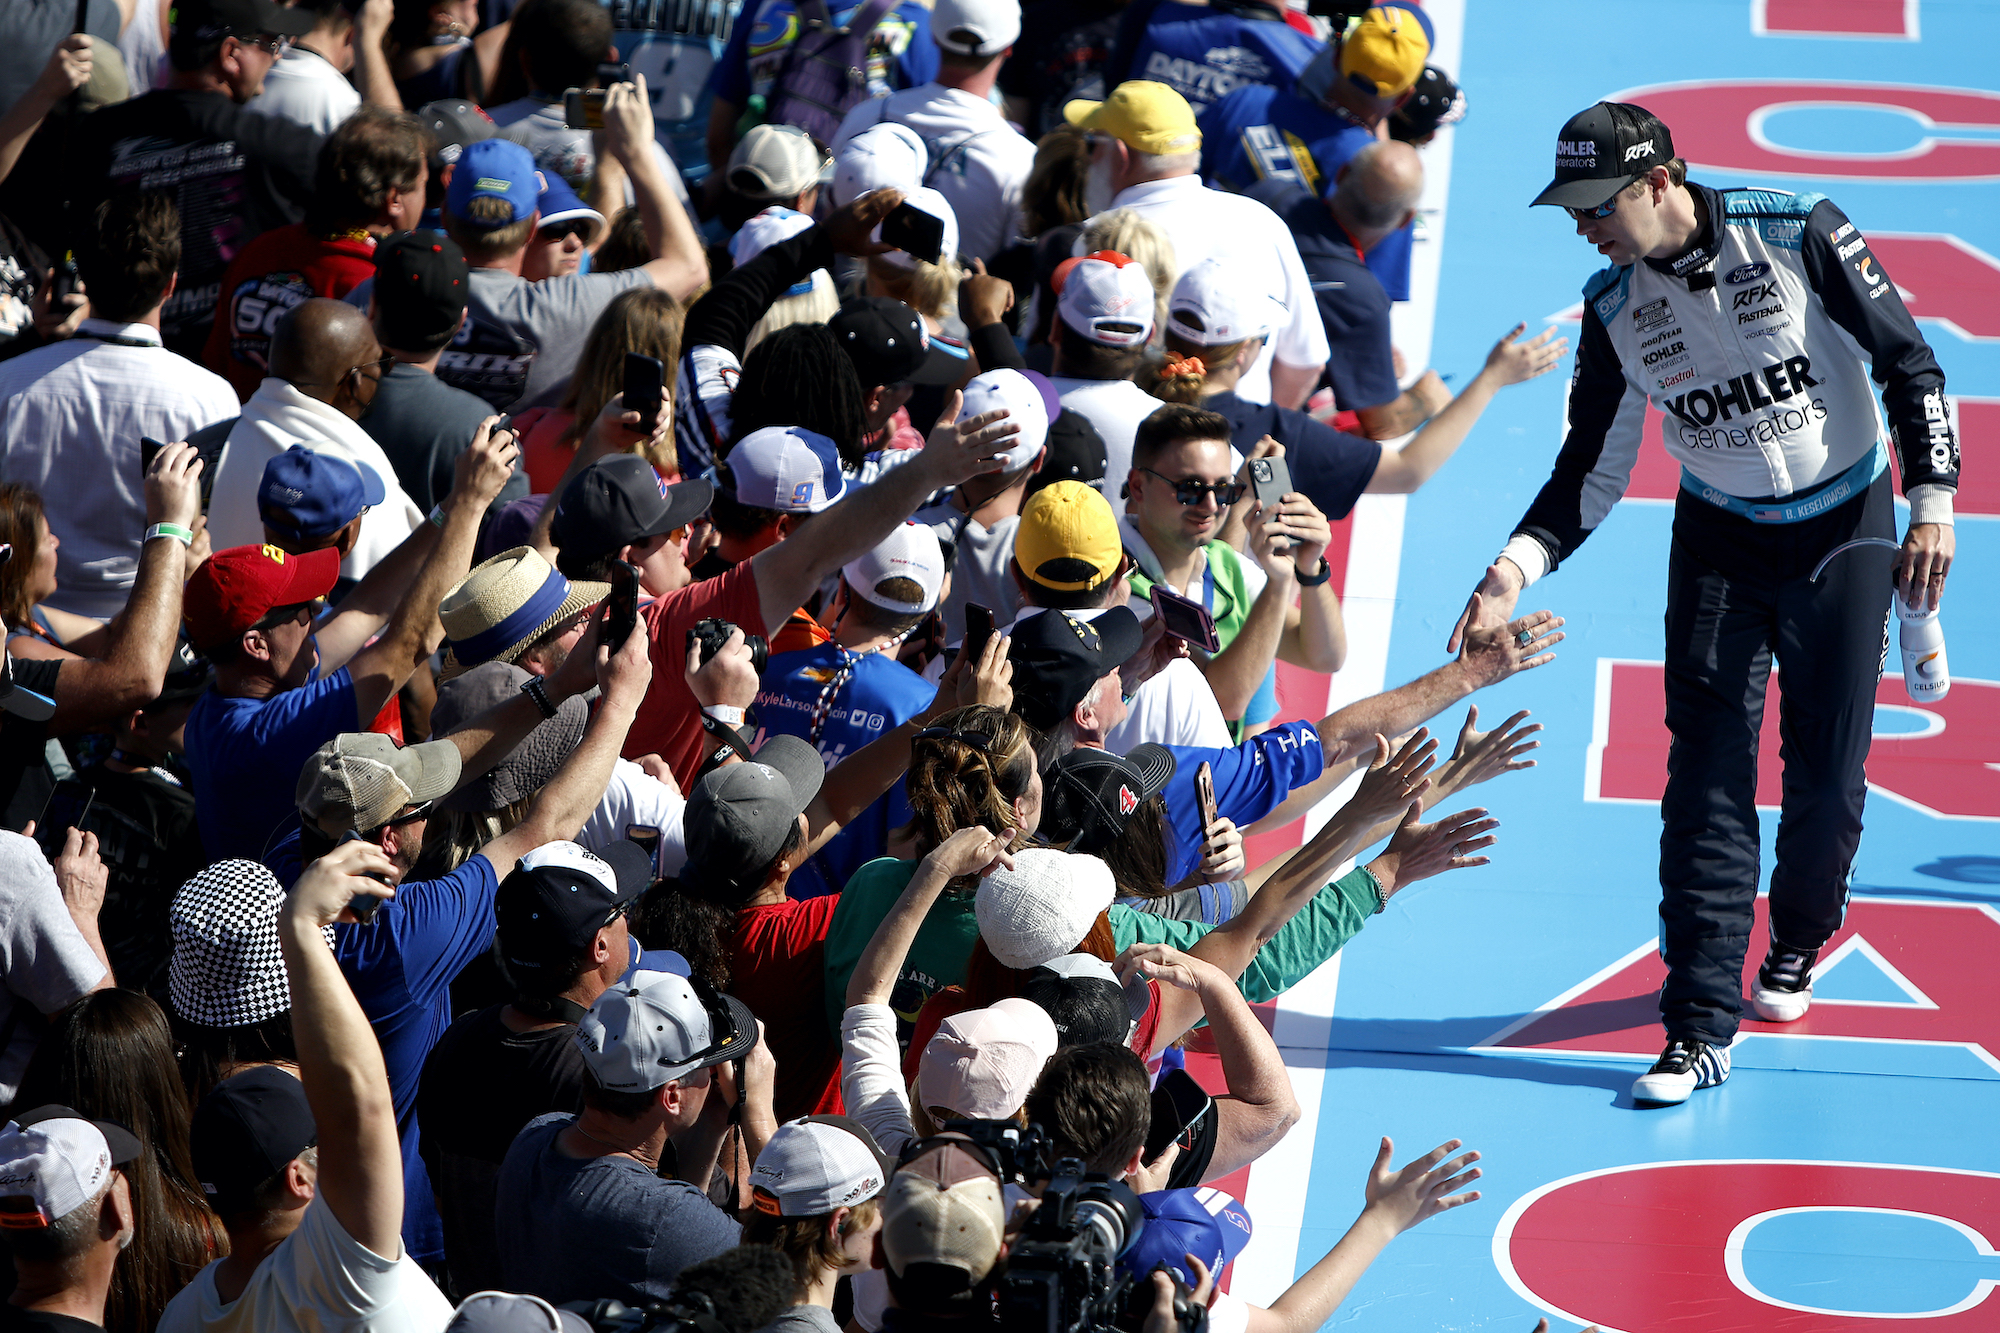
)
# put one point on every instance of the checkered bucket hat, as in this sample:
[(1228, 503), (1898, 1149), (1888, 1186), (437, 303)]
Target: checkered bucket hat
[(227, 970)]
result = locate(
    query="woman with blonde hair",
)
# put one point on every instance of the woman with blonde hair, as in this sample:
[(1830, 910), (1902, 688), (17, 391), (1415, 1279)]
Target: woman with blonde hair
[(1130, 233), (646, 320)]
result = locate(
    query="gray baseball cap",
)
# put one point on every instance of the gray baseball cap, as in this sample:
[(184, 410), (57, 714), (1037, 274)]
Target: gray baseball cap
[(739, 816)]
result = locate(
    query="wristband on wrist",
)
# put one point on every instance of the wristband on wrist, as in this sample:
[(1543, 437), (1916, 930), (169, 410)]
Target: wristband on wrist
[(539, 692), (1381, 894), (1313, 580), (185, 536), (437, 514), (724, 714)]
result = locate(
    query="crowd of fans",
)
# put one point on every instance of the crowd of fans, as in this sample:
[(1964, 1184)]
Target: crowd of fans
[(588, 709)]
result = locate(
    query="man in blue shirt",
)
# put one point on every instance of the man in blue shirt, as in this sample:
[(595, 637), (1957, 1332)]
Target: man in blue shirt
[(844, 693), (285, 686), (1305, 134), (401, 963), (1205, 52)]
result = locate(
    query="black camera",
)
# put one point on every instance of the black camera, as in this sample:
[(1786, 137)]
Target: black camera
[(1016, 1152), (1063, 1273), (713, 632)]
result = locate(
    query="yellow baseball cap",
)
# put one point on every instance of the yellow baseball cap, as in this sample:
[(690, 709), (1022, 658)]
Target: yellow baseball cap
[(1147, 117), (1068, 538), (1385, 53)]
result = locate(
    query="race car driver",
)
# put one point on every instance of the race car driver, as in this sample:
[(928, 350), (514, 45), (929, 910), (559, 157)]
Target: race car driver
[(1738, 314)]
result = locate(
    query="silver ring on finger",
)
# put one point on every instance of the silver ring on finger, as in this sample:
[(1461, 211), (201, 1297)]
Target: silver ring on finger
[(1524, 638)]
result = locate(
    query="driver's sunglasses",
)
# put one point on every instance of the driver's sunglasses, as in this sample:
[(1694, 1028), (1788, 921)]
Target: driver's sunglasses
[(562, 231), (1190, 491)]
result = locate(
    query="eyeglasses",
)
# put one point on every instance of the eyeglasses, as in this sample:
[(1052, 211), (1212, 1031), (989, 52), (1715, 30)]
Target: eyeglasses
[(562, 231), (270, 43), (381, 364), (1189, 491), (412, 815), (1603, 210)]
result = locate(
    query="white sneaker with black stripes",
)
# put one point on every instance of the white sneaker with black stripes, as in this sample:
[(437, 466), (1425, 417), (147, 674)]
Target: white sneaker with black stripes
[(1783, 991), (1682, 1069)]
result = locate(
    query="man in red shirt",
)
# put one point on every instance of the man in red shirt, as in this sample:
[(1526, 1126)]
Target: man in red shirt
[(369, 184), (768, 587)]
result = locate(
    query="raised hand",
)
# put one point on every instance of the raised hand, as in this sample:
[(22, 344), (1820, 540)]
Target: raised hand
[(1481, 755), (1393, 782), (1419, 851), (971, 851), (1511, 362), (1493, 653), (959, 450), (850, 229), (1492, 601), (173, 486), (1421, 1190)]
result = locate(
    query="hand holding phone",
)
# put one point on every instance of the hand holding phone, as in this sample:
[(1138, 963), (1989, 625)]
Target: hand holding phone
[(1204, 792), (915, 232), (1186, 619), (648, 838), (621, 608), (149, 449), (645, 389), (583, 110), (978, 629), (1270, 483), (363, 906)]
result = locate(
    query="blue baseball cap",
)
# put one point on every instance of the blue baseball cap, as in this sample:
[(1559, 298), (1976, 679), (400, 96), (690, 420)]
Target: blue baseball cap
[(1210, 1225), (559, 203), (307, 495), (494, 169), (787, 468)]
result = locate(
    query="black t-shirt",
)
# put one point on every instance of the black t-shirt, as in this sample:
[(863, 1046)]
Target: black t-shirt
[(481, 1084), (1061, 54), (423, 425), (234, 175), (1353, 305), (147, 835), (25, 779), (14, 1319)]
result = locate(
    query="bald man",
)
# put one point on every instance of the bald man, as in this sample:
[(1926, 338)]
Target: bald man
[(1371, 198), (325, 369)]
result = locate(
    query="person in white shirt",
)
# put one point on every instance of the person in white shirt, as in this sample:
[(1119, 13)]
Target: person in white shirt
[(325, 369), (976, 160), (307, 1172), (1145, 150), (72, 413), (309, 83)]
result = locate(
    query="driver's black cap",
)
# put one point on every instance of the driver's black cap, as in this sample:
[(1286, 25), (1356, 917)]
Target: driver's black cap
[(1602, 150)]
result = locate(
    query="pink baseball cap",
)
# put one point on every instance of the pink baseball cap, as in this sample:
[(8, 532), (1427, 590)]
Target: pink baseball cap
[(1106, 297), (980, 1065)]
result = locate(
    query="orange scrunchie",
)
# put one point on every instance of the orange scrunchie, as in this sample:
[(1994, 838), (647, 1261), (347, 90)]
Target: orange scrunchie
[(1178, 365)]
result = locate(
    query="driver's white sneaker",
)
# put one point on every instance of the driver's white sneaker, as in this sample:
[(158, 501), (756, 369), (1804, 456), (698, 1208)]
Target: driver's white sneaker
[(1682, 1069)]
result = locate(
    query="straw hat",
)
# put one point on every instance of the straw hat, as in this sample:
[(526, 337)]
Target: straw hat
[(505, 604)]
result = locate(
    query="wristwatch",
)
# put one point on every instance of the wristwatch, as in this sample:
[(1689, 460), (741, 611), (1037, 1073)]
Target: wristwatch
[(1314, 580)]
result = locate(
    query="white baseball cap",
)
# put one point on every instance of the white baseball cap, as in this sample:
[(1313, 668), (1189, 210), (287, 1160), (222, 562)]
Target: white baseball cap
[(765, 230), (1216, 303), (975, 27), (1043, 907), (927, 200), (816, 1164), (787, 468), (1031, 403), (885, 156), (1106, 297), (980, 1065), (656, 1027), (60, 1161), (910, 552)]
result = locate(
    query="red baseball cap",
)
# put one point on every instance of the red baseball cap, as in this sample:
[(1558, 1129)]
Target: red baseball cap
[(236, 588)]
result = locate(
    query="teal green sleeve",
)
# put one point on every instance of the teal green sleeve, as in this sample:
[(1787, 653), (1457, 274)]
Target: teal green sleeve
[(1333, 917)]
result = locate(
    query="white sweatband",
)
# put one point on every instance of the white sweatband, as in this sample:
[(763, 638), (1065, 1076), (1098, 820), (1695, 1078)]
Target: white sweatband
[(1931, 503), (1529, 554)]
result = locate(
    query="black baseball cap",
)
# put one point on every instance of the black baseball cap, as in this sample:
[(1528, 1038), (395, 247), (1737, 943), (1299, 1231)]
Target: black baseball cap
[(198, 22), (1075, 453), (1436, 101), (1602, 150), (1058, 657), (617, 501), (888, 344), (1092, 794), (553, 903), (245, 1131), (453, 123), (421, 284)]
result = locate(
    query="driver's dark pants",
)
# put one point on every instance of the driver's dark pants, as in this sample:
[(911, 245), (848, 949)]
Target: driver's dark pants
[(1737, 593)]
